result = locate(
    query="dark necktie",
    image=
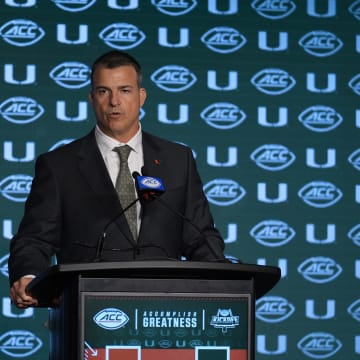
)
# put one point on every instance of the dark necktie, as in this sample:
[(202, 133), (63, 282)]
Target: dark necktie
[(125, 188)]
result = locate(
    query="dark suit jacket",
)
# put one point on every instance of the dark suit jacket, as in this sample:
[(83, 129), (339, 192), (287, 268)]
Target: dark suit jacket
[(72, 199)]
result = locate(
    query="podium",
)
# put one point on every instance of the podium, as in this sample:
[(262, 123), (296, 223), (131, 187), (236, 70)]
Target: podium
[(152, 309)]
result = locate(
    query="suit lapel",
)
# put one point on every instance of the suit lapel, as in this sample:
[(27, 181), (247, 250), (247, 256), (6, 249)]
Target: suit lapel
[(94, 171), (92, 167)]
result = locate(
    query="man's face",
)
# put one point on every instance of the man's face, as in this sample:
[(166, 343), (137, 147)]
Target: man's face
[(116, 99)]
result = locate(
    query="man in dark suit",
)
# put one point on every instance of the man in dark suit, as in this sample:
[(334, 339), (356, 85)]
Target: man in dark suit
[(73, 199)]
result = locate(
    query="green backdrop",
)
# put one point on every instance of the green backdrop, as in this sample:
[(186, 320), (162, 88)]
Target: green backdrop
[(265, 92)]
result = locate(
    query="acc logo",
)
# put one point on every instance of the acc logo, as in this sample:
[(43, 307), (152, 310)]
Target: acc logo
[(4, 265), (355, 9), (21, 32), (320, 118), (74, 5), (224, 320), (223, 39), (21, 110), (273, 81), (354, 310), (173, 78), (174, 8), (273, 309), (71, 75), (273, 157), (320, 194), (223, 115), (122, 36), (148, 182), (272, 233), (19, 343), (354, 159), (320, 269), (111, 319), (354, 234), (273, 9), (224, 192), (354, 84), (320, 43), (319, 345), (16, 187)]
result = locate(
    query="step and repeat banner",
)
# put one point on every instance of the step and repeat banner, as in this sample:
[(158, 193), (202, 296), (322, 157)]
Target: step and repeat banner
[(265, 92)]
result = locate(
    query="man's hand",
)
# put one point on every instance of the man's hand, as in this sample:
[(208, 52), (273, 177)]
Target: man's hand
[(19, 296)]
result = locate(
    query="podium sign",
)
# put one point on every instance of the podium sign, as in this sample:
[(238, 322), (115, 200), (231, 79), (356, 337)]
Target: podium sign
[(166, 326), (153, 310)]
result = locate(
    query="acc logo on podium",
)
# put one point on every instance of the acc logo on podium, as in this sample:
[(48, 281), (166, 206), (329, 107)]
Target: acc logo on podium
[(111, 319)]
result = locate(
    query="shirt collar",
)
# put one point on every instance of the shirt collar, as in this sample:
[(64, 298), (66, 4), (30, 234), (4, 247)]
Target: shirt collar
[(107, 143)]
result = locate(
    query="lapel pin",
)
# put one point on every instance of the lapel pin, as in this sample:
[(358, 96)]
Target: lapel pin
[(157, 162)]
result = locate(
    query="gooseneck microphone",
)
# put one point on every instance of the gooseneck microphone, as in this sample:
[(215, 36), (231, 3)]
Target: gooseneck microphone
[(147, 189), (101, 241), (150, 188)]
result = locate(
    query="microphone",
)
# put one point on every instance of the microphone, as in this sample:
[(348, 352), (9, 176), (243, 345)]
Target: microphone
[(150, 188), (147, 189), (100, 244)]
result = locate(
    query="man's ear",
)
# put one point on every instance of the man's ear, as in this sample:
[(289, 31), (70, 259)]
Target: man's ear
[(91, 97), (142, 96)]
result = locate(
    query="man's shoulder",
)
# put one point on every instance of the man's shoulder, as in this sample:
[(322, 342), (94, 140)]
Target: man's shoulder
[(164, 143), (71, 147)]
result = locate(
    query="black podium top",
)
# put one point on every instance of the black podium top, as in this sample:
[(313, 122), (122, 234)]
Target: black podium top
[(50, 284)]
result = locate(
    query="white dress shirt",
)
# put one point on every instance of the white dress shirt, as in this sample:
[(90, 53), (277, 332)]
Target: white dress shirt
[(106, 145)]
